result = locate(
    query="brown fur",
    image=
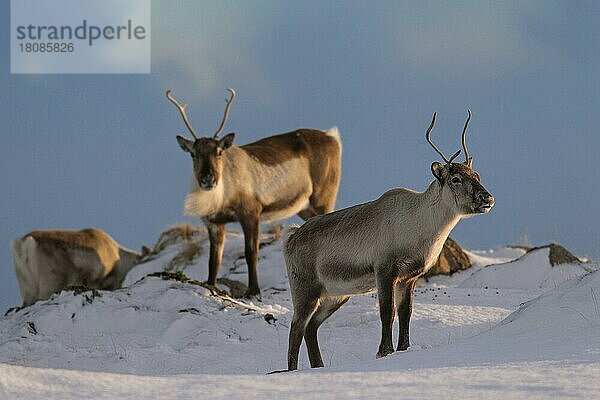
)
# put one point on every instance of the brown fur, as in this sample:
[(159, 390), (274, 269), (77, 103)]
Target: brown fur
[(47, 262), (270, 179), (92, 240)]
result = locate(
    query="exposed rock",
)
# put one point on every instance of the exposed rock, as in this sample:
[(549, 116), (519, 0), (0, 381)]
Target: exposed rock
[(452, 259), (558, 255)]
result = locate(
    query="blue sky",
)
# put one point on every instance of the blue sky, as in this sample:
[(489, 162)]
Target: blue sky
[(100, 150)]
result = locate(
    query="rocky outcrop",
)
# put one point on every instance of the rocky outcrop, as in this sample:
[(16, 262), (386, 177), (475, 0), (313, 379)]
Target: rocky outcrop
[(452, 259), (558, 255)]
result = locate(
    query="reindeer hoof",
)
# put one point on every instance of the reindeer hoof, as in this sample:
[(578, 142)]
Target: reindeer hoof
[(384, 352), (252, 294)]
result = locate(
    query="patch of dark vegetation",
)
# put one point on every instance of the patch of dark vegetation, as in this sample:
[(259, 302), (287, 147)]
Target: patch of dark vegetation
[(236, 288), (179, 276), (31, 328), (78, 289), (12, 310), (89, 297), (88, 294), (270, 318), (191, 310)]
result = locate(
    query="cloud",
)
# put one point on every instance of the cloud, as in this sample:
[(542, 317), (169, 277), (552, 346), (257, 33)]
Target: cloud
[(126, 54), (478, 40), (209, 45)]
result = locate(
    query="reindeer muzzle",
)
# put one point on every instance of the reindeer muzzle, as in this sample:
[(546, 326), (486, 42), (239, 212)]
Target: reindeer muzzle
[(486, 202)]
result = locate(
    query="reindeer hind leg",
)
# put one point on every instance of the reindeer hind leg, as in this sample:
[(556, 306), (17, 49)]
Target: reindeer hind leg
[(304, 308), (326, 308)]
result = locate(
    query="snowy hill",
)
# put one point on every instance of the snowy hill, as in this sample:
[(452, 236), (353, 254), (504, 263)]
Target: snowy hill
[(468, 329), (531, 271)]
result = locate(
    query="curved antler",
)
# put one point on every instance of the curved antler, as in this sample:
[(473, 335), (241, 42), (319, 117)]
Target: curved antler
[(435, 147), (430, 142), (454, 156), (220, 128), (181, 109), (468, 160)]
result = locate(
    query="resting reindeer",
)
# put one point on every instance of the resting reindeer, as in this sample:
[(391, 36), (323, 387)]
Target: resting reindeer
[(274, 178), (47, 262), (386, 244)]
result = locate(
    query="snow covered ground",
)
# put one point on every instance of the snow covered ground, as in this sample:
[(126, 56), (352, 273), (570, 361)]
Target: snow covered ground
[(513, 329)]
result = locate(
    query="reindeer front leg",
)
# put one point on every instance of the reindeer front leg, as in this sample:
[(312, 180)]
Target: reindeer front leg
[(251, 228), (404, 299), (216, 236), (385, 292)]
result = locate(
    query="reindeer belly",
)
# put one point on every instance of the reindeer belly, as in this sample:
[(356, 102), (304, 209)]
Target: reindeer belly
[(340, 281), (284, 208)]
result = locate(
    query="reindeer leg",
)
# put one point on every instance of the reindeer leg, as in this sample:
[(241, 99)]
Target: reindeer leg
[(404, 299), (251, 229), (307, 213), (327, 307), (216, 235), (303, 311), (385, 293)]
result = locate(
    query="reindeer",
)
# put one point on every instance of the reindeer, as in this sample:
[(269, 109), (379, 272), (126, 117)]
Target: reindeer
[(383, 245), (47, 262), (274, 178)]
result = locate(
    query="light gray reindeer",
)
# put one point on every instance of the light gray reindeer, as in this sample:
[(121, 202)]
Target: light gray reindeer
[(386, 244), (274, 178), (47, 262)]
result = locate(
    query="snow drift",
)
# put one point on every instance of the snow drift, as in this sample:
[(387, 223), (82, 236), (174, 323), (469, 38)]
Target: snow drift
[(533, 270), (515, 342)]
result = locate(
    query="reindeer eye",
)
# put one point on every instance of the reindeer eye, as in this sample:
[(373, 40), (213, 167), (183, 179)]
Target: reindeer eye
[(220, 152), (456, 180)]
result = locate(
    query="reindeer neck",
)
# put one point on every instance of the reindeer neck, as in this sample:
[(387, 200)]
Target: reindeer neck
[(128, 258), (440, 215)]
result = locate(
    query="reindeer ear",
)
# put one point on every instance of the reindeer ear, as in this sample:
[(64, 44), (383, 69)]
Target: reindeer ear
[(185, 144), (227, 141), (438, 171)]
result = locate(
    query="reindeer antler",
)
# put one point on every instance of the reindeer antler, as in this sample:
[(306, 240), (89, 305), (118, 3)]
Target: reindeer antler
[(434, 146), (220, 128), (181, 109), (468, 160)]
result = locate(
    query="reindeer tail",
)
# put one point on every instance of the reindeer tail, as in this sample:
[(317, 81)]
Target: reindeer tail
[(287, 232), (334, 132)]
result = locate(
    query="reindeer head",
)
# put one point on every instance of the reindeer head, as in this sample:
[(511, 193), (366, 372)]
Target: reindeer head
[(459, 182), (206, 152)]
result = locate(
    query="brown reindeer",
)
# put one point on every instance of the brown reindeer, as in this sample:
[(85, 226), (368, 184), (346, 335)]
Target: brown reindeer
[(383, 245), (47, 262), (274, 178)]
